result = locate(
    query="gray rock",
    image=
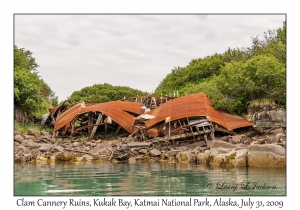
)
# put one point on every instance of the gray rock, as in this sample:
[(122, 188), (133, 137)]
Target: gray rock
[(172, 153), (33, 145), (267, 155), (101, 149), (17, 132), (182, 148), (19, 138), (66, 141), (46, 134), (23, 149), (45, 148), (58, 148), (154, 152), (217, 143), (186, 157), (278, 150), (88, 157), (93, 144), (75, 144), (199, 149), (36, 133), (276, 131), (279, 136), (143, 151)]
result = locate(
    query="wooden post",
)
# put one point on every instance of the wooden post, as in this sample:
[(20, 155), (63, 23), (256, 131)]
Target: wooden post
[(105, 129), (90, 122), (117, 131), (96, 126)]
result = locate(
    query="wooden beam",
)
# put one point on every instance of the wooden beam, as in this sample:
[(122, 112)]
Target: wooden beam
[(90, 122), (117, 131), (95, 127)]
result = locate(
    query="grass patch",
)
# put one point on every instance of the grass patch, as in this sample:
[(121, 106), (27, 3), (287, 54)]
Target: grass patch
[(26, 127)]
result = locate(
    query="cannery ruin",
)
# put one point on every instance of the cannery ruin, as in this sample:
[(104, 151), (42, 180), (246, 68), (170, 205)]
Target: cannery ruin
[(160, 118)]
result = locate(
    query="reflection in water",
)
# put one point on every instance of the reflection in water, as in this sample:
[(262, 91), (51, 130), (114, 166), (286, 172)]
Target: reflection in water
[(153, 179)]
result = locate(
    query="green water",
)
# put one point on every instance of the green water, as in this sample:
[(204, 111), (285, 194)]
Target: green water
[(145, 179)]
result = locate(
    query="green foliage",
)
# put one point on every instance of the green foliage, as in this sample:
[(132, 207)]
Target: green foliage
[(238, 76), (99, 93), (30, 91), (274, 43)]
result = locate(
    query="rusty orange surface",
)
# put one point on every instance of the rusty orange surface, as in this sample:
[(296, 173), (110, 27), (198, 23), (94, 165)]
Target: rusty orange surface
[(195, 105), (53, 110), (115, 110)]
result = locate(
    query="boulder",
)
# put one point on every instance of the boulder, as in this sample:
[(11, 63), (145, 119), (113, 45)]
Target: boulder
[(66, 141), (75, 144), (45, 148), (58, 148), (172, 153), (46, 134), (239, 138), (154, 152), (276, 131), (279, 136), (21, 149), (19, 138), (17, 132), (36, 133), (267, 155), (181, 148), (102, 148), (186, 157), (87, 157), (223, 144), (86, 148), (143, 151), (224, 157), (199, 149), (33, 145)]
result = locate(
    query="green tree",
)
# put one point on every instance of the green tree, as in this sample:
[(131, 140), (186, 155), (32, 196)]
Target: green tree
[(99, 93), (261, 77), (30, 91)]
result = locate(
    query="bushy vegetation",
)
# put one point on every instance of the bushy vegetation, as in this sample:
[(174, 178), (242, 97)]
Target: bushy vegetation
[(31, 93), (99, 93), (236, 77)]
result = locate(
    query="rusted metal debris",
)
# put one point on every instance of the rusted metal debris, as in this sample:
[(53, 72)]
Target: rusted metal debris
[(150, 101), (107, 116), (160, 118), (50, 118)]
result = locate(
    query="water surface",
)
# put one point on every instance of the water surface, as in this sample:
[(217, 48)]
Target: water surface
[(145, 179)]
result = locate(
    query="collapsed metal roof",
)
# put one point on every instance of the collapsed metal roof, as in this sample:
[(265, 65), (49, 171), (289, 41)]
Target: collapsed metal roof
[(194, 105), (116, 110), (130, 114)]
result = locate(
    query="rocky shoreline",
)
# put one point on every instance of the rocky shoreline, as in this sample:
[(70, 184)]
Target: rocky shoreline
[(236, 151)]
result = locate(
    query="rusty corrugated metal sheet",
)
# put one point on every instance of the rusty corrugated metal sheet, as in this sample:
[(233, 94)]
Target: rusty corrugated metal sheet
[(191, 106), (53, 110), (115, 110)]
